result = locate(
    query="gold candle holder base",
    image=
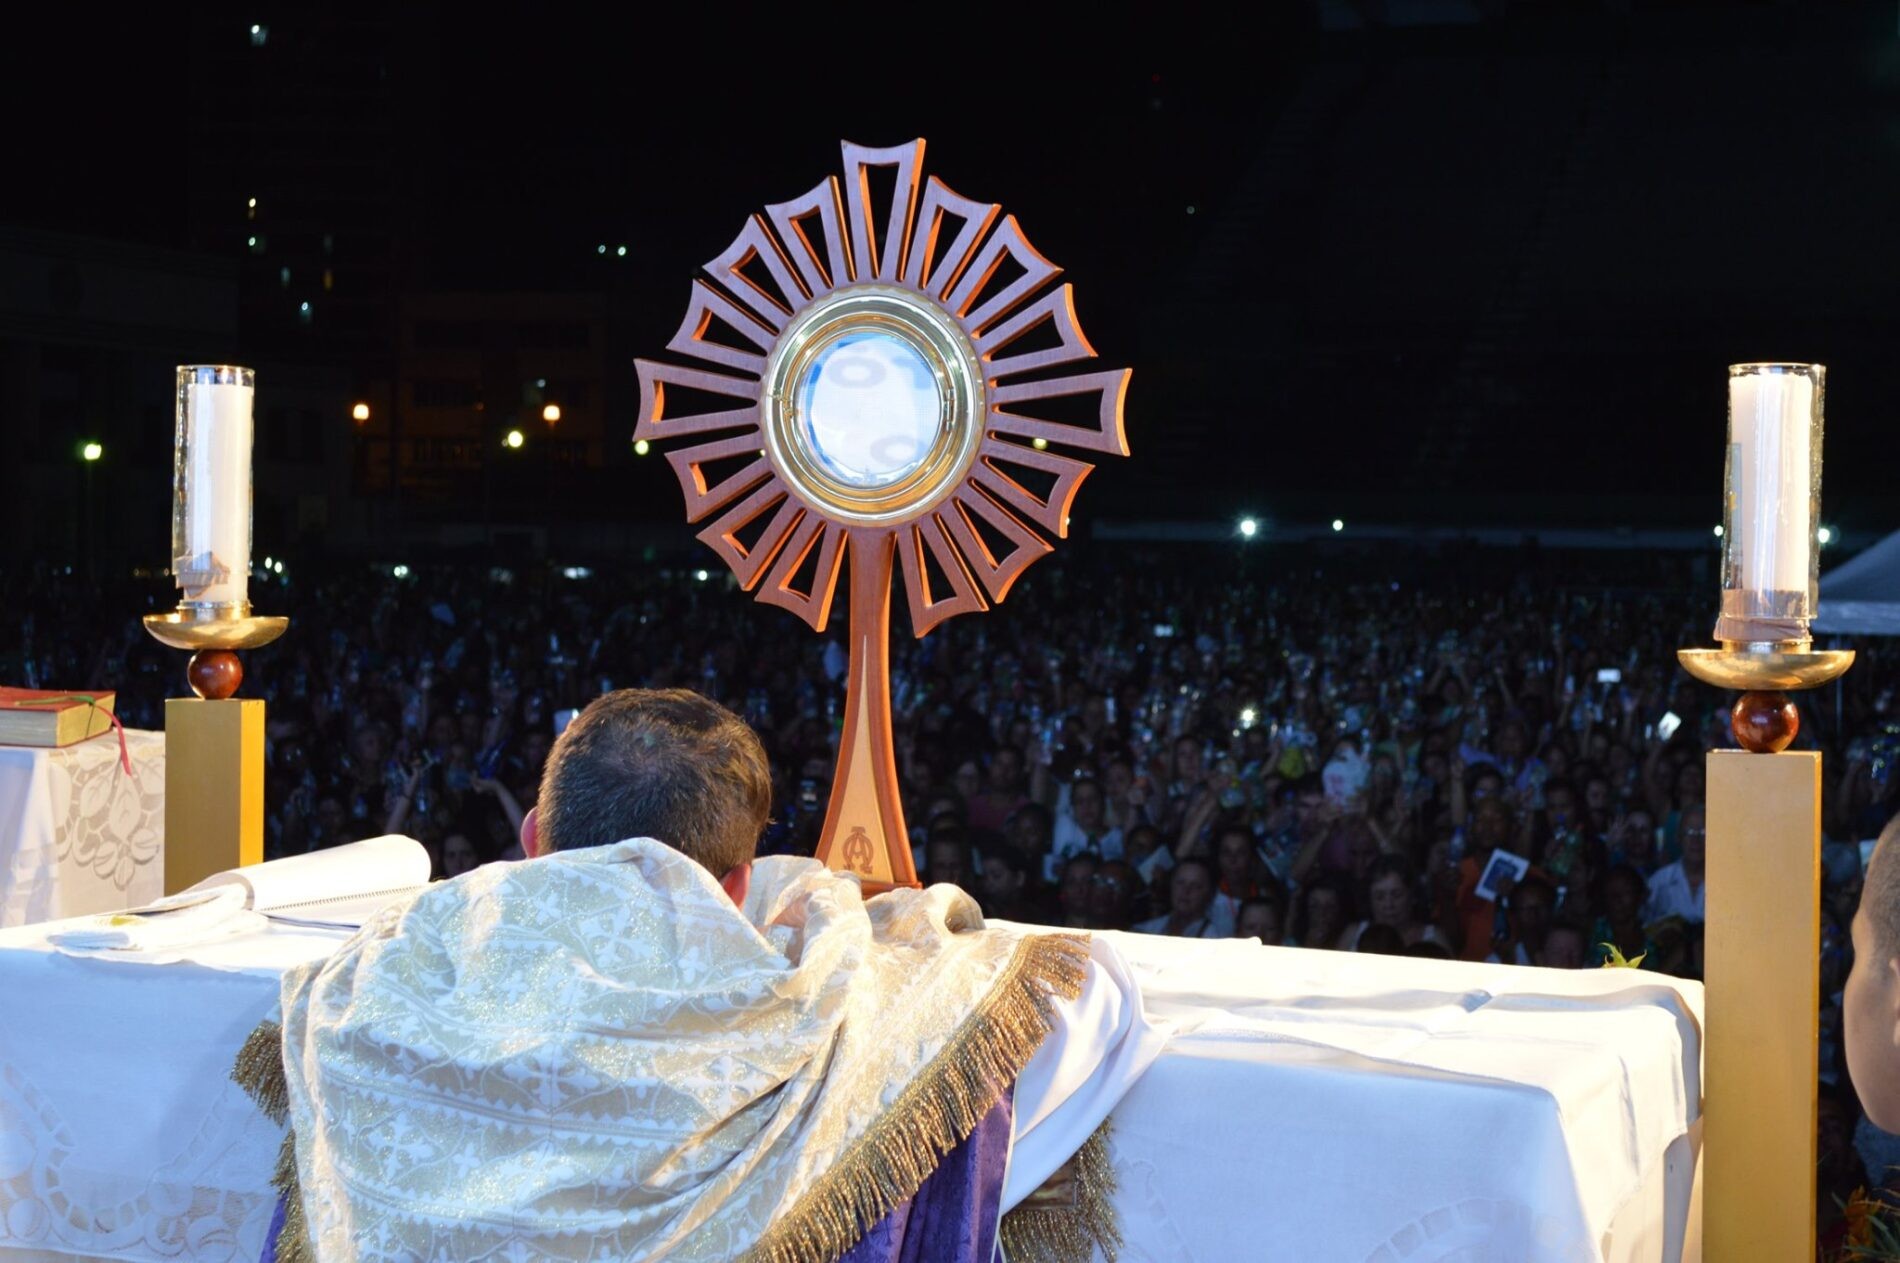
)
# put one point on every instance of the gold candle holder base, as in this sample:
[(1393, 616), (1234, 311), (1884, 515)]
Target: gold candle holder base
[(213, 636), (194, 629), (1783, 665), (1763, 720)]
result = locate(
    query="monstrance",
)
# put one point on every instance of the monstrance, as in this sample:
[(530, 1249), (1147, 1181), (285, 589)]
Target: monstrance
[(881, 362)]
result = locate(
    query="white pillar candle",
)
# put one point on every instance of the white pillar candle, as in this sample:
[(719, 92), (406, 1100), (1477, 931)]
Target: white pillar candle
[(211, 529), (1771, 416)]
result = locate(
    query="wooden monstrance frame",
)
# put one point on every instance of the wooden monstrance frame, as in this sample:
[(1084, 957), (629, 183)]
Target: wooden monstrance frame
[(881, 379)]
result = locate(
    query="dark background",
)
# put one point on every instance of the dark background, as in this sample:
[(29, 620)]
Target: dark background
[(1410, 263)]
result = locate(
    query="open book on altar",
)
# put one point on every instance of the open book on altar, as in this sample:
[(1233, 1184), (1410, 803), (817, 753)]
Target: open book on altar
[(339, 888)]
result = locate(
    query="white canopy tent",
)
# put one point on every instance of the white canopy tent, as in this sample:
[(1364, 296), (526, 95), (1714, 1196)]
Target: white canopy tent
[(1861, 596)]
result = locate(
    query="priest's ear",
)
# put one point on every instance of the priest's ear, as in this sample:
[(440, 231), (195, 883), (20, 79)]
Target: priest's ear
[(737, 883), (531, 834)]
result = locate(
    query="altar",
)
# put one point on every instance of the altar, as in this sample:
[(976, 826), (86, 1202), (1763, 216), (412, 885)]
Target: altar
[(1307, 1106), (81, 830)]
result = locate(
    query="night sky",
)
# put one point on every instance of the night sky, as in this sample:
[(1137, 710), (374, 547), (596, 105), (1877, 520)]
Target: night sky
[(1471, 270)]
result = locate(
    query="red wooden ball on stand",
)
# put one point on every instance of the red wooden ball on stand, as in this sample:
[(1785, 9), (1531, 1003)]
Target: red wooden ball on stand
[(214, 674), (1764, 723)]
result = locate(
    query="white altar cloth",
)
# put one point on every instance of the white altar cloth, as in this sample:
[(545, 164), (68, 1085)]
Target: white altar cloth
[(1310, 1106), (78, 835)]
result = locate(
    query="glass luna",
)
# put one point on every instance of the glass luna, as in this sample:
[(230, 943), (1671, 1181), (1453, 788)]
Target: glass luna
[(211, 489), (1771, 510)]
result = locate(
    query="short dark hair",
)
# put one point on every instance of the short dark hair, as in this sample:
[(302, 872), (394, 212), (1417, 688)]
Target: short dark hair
[(1880, 891), (658, 763)]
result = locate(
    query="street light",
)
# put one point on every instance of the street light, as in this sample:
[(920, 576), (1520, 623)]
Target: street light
[(551, 413), (514, 438), (360, 413), (91, 451), (641, 447)]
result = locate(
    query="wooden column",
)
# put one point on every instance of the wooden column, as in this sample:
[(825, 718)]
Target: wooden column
[(1761, 1048), (214, 787)]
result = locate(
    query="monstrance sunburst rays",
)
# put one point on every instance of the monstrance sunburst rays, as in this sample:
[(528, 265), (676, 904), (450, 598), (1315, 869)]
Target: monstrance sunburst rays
[(875, 389)]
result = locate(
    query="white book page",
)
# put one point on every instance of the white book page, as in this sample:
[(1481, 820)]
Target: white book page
[(299, 885)]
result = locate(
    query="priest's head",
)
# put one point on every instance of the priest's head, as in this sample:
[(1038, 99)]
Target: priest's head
[(1871, 1004), (656, 763)]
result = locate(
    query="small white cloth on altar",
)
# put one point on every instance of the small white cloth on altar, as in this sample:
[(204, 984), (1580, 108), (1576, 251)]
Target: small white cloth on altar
[(185, 919)]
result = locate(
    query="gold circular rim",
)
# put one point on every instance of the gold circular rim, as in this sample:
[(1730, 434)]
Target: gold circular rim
[(927, 328), (1744, 671), (190, 629)]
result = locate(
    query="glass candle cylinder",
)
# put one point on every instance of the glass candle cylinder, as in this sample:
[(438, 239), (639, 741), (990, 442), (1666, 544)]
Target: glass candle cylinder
[(211, 489), (1772, 507)]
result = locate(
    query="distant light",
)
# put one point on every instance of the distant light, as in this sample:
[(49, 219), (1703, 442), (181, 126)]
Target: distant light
[(360, 412), (576, 572), (1338, 525), (601, 248), (541, 383), (621, 251), (1249, 528), (267, 563), (251, 242), (259, 34), (329, 280), (92, 452), (1249, 717), (514, 438), (1718, 530), (1190, 210), (400, 571), (304, 307), (278, 567), (283, 277), (551, 413), (252, 204), (701, 575), (1039, 444), (1825, 535), (641, 447)]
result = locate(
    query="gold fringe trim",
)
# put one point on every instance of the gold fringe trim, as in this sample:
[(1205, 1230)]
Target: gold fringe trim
[(936, 1112), (293, 1241), (259, 1070), (1078, 1219)]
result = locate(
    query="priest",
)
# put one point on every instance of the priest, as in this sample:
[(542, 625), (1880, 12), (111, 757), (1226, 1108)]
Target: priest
[(641, 1043)]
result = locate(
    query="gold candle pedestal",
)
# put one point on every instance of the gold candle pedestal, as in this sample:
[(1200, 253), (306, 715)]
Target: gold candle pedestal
[(1761, 1042), (1760, 1047), (214, 787), (214, 747)]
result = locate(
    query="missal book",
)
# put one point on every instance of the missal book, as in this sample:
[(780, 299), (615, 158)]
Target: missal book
[(340, 886), (53, 717)]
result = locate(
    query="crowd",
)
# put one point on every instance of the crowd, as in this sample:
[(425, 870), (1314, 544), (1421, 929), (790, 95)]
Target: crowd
[(1481, 756)]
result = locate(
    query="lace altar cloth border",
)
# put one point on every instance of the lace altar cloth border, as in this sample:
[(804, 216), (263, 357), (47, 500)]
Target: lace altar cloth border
[(77, 835)]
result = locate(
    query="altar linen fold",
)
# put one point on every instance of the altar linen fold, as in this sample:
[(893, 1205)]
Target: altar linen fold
[(596, 1054)]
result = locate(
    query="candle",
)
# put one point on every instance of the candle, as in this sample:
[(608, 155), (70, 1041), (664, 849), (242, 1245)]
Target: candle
[(211, 522), (1768, 538)]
